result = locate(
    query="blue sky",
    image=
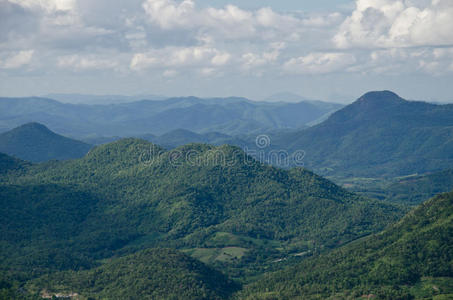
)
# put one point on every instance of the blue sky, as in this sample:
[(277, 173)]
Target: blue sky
[(327, 50)]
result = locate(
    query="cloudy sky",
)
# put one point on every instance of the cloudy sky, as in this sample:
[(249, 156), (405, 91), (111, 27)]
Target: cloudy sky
[(326, 49)]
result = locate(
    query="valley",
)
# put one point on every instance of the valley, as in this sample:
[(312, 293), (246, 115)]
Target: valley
[(116, 218)]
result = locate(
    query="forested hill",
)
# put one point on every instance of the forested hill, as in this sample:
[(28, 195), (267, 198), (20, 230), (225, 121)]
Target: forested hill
[(412, 259), (380, 134), (215, 203), (36, 143), (148, 274), (9, 164)]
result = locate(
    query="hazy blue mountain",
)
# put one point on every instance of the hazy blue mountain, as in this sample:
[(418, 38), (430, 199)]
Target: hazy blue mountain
[(229, 116), (36, 143), (181, 137), (99, 140), (101, 99), (285, 97), (380, 134)]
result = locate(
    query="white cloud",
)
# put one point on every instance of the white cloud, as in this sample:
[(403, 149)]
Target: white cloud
[(180, 57), (319, 63), (400, 61), (90, 62), (49, 6), (142, 61), (221, 59), (437, 61), (229, 22), (168, 14), (17, 60), (162, 39), (400, 23), (170, 73)]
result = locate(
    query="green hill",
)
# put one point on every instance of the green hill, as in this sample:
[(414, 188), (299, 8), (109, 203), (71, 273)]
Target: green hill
[(412, 259), (149, 274), (410, 190), (380, 134), (8, 164), (181, 137), (214, 203), (415, 189), (36, 143)]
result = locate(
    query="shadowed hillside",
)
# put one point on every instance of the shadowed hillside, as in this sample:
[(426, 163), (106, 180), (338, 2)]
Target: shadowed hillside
[(380, 134), (36, 143)]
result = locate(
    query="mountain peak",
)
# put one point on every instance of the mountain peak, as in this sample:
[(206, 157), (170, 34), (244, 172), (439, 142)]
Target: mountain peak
[(35, 126), (36, 143), (380, 97)]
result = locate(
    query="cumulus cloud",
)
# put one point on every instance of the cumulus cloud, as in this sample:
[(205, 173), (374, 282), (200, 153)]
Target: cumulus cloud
[(400, 23), (319, 63), (179, 57), (17, 60), (171, 39), (252, 60), (47, 5), (90, 62), (228, 22)]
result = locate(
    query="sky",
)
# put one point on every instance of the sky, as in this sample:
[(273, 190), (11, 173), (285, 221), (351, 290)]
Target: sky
[(333, 50)]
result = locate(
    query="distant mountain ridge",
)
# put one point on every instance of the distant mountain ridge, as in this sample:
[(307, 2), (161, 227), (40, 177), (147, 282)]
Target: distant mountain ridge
[(380, 134), (101, 99), (230, 116), (36, 143), (180, 137)]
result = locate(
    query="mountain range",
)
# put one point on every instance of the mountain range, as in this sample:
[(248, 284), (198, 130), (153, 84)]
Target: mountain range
[(215, 203), (379, 135), (182, 213), (230, 116)]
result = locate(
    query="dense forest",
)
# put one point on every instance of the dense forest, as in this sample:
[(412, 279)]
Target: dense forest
[(412, 259), (133, 220), (148, 274), (407, 190), (214, 203)]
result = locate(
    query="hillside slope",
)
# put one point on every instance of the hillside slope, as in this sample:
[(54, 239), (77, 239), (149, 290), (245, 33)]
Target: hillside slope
[(416, 189), (36, 143), (179, 137), (10, 164), (411, 259), (214, 202), (408, 190), (149, 274), (380, 134)]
